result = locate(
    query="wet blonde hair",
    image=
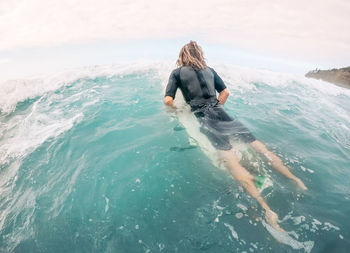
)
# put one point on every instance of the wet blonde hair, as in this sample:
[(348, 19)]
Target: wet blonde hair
[(191, 54)]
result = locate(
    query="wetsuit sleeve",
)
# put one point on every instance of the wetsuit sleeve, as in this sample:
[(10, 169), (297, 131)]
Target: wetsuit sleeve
[(219, 83), (173, 84)]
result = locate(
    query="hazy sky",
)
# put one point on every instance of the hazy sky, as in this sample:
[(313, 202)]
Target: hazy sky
[(313, 32)]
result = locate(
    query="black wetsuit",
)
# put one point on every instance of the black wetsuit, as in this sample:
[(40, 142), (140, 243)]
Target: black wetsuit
[(198, 87)]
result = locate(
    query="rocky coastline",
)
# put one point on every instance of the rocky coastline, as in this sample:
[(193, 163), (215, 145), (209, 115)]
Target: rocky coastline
[(340, 77)]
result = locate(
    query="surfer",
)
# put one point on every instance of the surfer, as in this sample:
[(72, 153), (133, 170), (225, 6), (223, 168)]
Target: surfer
[(199, 84)]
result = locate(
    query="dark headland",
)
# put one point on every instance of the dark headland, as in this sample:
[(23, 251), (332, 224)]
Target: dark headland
[(340, 77)]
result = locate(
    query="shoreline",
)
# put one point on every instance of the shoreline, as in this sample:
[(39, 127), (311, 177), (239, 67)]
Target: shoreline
[(339, 77)]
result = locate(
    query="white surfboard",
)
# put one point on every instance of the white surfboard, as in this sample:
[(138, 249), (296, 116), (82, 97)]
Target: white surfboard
[(189, 121)]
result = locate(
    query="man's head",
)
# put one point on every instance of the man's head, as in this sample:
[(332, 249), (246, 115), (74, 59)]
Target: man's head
[(191, 54)]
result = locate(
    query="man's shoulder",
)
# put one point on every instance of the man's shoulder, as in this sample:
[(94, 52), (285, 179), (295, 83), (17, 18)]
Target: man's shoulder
[(176, 71), (188, 69), (211, 69)]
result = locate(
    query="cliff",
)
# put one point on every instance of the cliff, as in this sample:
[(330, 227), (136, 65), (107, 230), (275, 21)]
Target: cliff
[(339, 77)]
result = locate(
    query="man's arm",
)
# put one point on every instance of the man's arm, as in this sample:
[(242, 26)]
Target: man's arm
[(171, 88), (223, 95), (220, 87), (169, 101)]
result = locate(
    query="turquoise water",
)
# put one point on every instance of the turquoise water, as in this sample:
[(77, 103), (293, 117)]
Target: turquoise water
[(93, 162)]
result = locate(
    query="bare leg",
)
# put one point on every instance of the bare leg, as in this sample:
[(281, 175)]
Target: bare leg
[(247, 181), (276, 163)]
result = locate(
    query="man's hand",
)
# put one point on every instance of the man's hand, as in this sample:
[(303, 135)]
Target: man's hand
[(169, 101), (223, 95)]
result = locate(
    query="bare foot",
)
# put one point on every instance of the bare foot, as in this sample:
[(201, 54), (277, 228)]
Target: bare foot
[(300, 184), (272, 218)]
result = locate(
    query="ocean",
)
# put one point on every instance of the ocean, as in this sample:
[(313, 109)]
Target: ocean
[(92, 161)]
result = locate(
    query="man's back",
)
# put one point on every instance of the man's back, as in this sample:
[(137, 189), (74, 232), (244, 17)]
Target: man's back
[(196, 85)]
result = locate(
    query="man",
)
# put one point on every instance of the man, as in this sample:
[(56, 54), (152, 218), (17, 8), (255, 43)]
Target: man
[(198, 84)]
